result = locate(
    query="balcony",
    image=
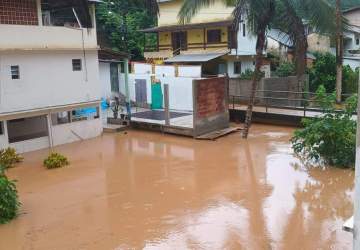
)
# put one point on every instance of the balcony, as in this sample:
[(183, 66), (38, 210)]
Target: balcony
[(26, 37)]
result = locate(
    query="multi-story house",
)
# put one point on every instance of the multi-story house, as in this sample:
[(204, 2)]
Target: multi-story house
[(49, 73), (208, 39), (352, 38)]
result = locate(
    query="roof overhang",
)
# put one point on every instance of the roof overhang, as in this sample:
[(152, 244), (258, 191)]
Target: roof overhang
[(196, 58), (182, 27), (109, 55)]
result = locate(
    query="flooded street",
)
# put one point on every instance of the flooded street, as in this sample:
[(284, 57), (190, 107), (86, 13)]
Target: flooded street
[(144, 190)]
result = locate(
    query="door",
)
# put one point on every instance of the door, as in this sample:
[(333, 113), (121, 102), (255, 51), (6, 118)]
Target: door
[(179, 40), (114, 77), (140, 92)]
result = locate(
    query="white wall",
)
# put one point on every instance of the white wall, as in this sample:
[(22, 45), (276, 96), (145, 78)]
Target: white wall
[(4, 140), (189, 71), (105, 80), (46, 37), (353, 63), (142, 68), (67, 133), (180, 90), (31, 145), (246, 45), (164, 70), (47, 79), (246, 63)]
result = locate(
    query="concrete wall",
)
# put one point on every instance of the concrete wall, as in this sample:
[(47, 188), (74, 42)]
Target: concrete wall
[(246, 63), (352, 62), (105, 80), (47, 79), (4, 140), (210, 98), (189, 71), (31, 145), (239, 87), (76, 131), (180, 89)]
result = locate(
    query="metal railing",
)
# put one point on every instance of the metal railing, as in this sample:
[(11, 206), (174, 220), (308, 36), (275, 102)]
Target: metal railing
[(285, 100)]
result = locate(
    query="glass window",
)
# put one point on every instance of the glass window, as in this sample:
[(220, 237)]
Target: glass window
[(85, 114), (15, 72), (1, 128), (214, 36), (60, 118), (237, 67), (76, 64)]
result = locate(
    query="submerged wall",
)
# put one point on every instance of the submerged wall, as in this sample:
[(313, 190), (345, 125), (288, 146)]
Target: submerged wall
[(210, 97)]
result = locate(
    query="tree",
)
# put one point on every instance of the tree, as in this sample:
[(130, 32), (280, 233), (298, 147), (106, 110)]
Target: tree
[(339, 50), (294, 17), (120, 22), (259, 14)]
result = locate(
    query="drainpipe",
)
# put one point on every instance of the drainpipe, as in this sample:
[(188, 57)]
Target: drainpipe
[(127, 92), (356, 232)]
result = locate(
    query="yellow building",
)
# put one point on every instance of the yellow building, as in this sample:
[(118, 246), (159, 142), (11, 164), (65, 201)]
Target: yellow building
[(208, 39)]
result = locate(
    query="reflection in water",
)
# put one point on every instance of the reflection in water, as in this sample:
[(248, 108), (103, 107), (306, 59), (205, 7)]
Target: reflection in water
[(150, 191)]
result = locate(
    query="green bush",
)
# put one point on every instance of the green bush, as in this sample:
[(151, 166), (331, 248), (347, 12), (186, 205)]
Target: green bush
[(249, 74), (55, 160), (331, 137), (9, 157), (9, 203), (286, 69), (323, 73)]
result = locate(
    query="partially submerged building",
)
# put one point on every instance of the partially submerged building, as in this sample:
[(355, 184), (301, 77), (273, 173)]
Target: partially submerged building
[(49, 73)]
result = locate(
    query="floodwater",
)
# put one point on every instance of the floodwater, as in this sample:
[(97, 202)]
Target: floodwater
[(144, 190)]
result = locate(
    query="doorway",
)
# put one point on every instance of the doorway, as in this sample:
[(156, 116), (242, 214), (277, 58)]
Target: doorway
[(179, 40)]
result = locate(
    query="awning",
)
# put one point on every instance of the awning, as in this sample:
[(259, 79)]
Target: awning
[(188, 26), (195, 57)]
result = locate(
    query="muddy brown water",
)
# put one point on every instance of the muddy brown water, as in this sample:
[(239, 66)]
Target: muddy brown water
[(144, 190)]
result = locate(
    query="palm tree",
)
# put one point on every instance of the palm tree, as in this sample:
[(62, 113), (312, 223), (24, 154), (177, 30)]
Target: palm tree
[(294, 16), (259, 14)]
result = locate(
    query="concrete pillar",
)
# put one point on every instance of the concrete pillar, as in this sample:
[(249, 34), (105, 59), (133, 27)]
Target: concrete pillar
[(39, 12), (50, 132), (167, 104), (356, 233), (127, 91)]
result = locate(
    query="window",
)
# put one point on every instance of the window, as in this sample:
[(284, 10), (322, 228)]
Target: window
[(244, 30), (60, 118), (84, 114), (237, 68), (214, 36), (15, 72), (76, 64), (357, 41), (1, 128)]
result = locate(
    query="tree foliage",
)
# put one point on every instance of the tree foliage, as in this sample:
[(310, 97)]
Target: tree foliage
[(9, 203), (331, 137), (119, 22), (323, 73)]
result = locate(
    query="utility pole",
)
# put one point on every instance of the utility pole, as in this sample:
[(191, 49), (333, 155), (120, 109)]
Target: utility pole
[(339, 51), (356, 230)]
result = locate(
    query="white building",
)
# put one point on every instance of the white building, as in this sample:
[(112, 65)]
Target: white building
[(352, 38), (49, 73)]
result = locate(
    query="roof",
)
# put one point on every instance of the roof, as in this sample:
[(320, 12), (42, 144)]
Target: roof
[(280, 37), (352, 9), (109, 55), (195, 57), (188, 26)]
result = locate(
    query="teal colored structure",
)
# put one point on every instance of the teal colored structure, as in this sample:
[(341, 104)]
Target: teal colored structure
[(156, 96)]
